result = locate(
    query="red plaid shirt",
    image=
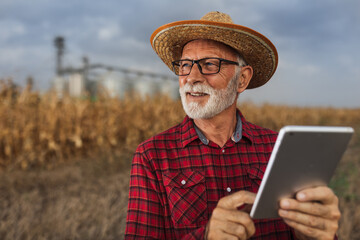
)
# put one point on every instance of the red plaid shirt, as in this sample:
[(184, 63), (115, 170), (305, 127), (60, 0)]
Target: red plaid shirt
[(177, 180)]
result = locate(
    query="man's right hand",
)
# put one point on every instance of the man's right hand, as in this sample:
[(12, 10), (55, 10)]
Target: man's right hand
[(227, 222)]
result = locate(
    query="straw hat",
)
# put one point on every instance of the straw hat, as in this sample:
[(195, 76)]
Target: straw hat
[(169, 40)]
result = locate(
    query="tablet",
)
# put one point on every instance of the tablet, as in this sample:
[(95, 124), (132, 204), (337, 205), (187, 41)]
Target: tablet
[(303, 156)]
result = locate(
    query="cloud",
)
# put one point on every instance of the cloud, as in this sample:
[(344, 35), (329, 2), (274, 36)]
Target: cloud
[(108, 32), (11, 29)]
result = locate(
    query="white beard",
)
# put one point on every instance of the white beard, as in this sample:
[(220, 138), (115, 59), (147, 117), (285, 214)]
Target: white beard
[(218, 101)]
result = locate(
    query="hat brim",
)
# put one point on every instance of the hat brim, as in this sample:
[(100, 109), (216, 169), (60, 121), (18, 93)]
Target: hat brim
[(169, 40)]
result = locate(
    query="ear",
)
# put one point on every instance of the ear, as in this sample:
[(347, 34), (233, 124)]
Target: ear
[(244, 78)]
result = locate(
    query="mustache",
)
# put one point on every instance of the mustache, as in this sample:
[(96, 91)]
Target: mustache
[(203, 88)]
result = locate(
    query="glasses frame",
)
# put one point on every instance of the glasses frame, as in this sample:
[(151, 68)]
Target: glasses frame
[(221, 60)]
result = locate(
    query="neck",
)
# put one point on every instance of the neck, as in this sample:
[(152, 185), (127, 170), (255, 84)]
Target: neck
[(220, 128)]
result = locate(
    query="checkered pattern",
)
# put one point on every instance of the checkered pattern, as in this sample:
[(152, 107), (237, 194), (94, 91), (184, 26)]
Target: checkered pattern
[(176, 182)]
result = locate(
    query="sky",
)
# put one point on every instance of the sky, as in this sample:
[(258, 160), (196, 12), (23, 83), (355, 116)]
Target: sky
[(317, 41)]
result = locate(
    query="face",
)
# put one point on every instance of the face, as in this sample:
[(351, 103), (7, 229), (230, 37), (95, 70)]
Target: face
[(205, 96)]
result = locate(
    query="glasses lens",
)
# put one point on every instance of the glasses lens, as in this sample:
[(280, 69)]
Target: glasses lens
[(210, 65), (184, 67)]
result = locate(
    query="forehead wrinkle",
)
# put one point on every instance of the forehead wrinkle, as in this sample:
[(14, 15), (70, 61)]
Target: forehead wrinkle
[(208, 48)]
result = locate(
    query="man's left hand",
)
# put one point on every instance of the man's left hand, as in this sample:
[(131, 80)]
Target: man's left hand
[(314, 214)]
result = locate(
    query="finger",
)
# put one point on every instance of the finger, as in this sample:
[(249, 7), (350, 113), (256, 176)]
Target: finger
[(309, 231), (218, 234), (312, 208), (322, 194), (245, 207), (236, 217), (234, 229), (237, 199), (304, 219)]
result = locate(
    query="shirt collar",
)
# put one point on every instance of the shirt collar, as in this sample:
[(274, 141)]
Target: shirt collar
[(247, 128), (189, 132), (236, 137)]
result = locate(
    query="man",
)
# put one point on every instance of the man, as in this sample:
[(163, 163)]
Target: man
[(193, 180)]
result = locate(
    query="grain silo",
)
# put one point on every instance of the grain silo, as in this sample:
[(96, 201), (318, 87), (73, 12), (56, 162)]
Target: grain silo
[(77, 86), (146, 86), (116, 84)]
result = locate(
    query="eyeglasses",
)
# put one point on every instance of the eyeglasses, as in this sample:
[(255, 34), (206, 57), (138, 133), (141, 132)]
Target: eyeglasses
[(207, 66)]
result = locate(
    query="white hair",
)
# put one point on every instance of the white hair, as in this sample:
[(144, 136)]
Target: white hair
[(240, 59)]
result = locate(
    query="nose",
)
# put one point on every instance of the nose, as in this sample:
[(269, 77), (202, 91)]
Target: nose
[(195, 75)]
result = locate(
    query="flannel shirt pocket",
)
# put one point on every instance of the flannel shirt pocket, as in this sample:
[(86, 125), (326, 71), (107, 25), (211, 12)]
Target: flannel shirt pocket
[(187, 196)]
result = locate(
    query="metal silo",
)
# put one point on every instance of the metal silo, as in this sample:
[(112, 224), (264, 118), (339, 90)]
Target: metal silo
[(116, 84)]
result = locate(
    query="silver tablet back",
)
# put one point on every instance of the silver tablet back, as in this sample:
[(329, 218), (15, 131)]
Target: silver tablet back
[(303, 156)]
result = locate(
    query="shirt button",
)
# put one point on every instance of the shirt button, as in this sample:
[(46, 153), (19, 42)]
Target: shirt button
[(183, 182), (228, 189), (223, 150)]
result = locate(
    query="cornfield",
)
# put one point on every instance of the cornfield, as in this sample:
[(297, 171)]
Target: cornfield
[(42, 131), (40, 135)]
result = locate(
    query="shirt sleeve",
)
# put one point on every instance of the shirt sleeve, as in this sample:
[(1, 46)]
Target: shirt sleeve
[(145, 216)]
